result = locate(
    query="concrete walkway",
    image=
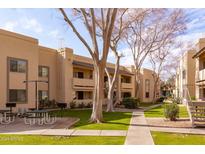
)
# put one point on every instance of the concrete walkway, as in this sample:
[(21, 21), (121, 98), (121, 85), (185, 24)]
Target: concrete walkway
[(151, 107), (138, 133), (71, 132), (179, 130)]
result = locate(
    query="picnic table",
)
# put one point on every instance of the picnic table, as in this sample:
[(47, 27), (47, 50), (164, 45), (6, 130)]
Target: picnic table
[(3, 117), (39, 117)]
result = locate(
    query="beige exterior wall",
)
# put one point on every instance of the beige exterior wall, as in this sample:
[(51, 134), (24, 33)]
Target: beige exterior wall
[(17, 46), (185, 77), (147, 75), (62, 84), (200, 70)]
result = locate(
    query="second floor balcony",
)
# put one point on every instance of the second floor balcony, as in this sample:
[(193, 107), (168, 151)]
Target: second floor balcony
[(126, 85), (83, 83), (201, 75)]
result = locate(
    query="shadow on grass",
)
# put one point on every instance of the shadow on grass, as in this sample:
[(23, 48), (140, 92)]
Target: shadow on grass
[(111, 119)]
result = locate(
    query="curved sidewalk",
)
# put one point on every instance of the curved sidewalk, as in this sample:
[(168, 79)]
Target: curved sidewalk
[(138, 132)]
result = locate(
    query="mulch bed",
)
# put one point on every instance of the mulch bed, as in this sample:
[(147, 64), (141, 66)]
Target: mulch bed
[(162, 122)]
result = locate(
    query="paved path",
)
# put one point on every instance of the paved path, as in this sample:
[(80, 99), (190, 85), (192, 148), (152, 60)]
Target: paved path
[(151, 107), (138, 133), (179, 130), (71, 132)]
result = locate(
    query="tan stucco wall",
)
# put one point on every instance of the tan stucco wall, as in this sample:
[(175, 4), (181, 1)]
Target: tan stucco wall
[(187, 63), (147, 74), (17, 46), (62, 86), (48, 58)]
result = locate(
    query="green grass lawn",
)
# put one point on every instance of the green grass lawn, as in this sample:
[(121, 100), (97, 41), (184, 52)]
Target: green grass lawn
[(159, 112), (112, 120), (59, 140), (161, 138)]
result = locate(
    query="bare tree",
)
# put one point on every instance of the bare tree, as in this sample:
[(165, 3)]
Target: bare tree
[(150, 30), (120, 27), (95, 20), (158, 62)]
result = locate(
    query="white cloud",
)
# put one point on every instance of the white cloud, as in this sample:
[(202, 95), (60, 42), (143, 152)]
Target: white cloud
[(24, 23), (31, 24), (127, 58), (10, 25), (55, 34)]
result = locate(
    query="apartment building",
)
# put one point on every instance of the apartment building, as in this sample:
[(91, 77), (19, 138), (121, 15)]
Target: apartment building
[(200, 69), (62, 75), (185, 77), (147, 86)]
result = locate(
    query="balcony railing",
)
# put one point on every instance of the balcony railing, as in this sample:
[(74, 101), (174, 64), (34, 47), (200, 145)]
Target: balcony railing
[(78, 82), (126, 85), (201, 75)]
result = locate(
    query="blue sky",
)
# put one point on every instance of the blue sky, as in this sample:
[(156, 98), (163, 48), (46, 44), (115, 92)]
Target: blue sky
[(49, 28)]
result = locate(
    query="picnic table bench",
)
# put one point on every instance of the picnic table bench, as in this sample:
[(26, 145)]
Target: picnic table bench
[(39, 117)]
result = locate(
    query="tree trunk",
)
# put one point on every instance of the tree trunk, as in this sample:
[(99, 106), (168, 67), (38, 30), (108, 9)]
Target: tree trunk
[(137, 82), (117, 92), (112, 83), (98, 97), (155, 89), (110, 107), (154, 92)]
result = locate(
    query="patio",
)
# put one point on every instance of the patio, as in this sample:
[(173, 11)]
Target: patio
[(19, 126)]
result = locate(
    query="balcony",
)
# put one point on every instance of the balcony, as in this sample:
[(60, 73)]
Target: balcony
[(201, 75), (126, 86), (79, 83)]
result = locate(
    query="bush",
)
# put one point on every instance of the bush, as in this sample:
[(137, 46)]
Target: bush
[(171, 111), (45, 103), (193, 98), (72, 105), (130, 102), (176, 100), (89, 105), (81, 105), (161, 99)]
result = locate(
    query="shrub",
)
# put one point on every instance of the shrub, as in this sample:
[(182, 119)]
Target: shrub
[(81, 105), (130, 102), (89, 105), (72, 105), (193, 98), (176, 100), (161, 99), (171, 111)]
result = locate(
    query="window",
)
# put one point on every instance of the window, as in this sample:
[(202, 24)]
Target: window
[(17, 95), (126, 79), (17, 66), (42, 95), (80, 95), (183, 74), (80, 75), (147, 94), (147, 88), (43, 71)]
